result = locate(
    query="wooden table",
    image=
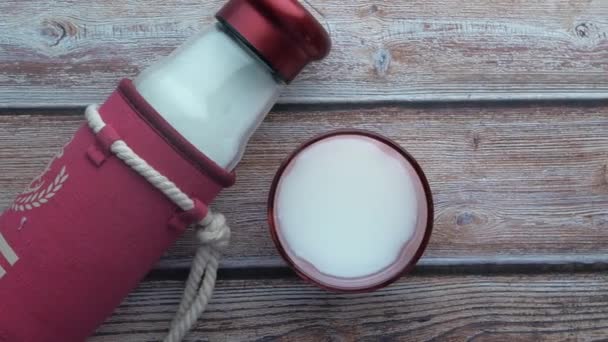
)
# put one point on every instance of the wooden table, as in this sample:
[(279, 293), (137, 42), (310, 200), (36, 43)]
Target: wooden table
[(503, 102)]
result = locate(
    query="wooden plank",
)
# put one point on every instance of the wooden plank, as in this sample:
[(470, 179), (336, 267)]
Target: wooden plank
[(554, 307), (72, 53), (512, 185)]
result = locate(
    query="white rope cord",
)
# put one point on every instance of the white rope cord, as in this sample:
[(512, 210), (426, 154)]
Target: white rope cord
[(212, 232)]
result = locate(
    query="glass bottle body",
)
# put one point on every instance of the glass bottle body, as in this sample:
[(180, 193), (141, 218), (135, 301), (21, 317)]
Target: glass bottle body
[(214, 91)]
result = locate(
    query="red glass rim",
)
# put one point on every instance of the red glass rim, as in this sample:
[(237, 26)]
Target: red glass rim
[(273, 226)]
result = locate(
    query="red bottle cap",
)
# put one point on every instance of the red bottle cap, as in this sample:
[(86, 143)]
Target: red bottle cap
[(282, 32)]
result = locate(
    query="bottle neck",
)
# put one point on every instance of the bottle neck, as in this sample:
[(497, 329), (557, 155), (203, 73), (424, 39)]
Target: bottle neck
[(214, 91), (239, 39)]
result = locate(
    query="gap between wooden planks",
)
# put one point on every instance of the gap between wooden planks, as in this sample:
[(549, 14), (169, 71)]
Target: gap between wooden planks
[(515, 186), (550, 307), (72, 53)]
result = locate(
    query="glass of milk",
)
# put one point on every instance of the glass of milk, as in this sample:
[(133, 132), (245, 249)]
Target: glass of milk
[(350, 211)]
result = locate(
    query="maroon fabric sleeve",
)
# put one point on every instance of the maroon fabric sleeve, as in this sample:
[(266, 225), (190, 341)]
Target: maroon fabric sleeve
[(89, 228)]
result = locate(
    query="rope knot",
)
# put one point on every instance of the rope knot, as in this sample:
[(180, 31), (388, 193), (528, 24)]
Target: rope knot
[(214, 231)]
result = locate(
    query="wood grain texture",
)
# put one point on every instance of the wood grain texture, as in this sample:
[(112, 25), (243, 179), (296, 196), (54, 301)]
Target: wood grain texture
[(510, 183), (445, 308), (72, 53)]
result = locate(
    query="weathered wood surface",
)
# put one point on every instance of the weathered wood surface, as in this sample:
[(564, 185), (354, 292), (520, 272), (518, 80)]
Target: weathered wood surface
[(512, 184), (418, 308), (71, 53)]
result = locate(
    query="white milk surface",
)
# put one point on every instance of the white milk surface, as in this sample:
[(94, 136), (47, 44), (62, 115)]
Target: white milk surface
[(347, 205), (214, 92)]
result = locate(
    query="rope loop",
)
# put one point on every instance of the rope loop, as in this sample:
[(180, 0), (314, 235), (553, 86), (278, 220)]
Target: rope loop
[(212, 232)]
